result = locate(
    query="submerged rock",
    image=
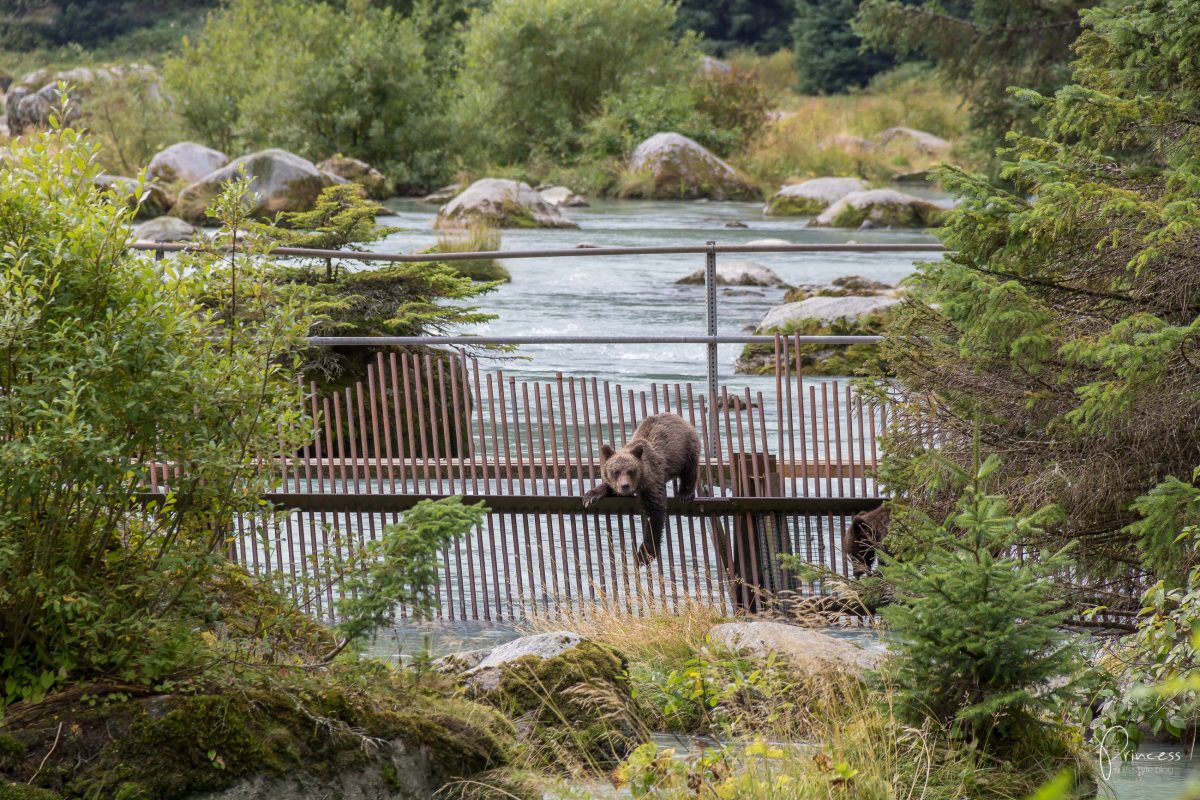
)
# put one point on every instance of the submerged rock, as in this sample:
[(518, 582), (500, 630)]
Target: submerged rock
[(561, 196), (881, 208), (805, 651), (824, 310), (279, 181), (355, 171), (443, 194), (811, 197), (185, 162), (737, 273), (503, 203), (164, 229), (675, 166)]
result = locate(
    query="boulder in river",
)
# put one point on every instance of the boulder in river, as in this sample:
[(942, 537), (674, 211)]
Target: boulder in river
[(880, 208), (805, 651), (442, 195), (279, 181), (185, 162), (356, 171), (811, 197), (561, 196), (150, 199), (676, 167), (737, 273), (824, 310), (164, 229), (503, 203)]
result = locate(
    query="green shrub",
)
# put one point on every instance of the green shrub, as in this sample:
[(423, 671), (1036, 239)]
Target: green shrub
[(315, 79), (111, 362), (535, 70), (974, 630)]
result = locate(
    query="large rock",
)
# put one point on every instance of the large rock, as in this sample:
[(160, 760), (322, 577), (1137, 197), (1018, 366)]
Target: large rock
[(568, 693), (925, 142), (443, 195), (503, 203), (678, 167), (880, 208), (360, 172), (811, 197), (825, 310), (738, 273), (185, 162), (31, 101), (279, 181), (561, 196), (164, 229), (149, 200), (806, 651)]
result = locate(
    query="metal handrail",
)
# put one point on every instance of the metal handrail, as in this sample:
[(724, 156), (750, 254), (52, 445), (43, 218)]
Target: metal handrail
[(335, 341), (355, 255)]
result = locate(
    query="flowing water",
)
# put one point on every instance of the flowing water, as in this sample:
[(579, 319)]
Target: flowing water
[(638, 295)]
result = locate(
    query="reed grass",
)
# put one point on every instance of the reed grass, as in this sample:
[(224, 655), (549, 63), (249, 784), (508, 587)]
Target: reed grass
[(475, 237)]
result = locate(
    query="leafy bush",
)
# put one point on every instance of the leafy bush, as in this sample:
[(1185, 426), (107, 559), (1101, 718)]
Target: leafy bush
[(315, 79), (535, 70), (974, 629), (130, 119), (111, 363)]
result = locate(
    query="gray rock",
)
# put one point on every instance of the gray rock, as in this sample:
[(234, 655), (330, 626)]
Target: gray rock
[(185, 162), (825, 310), (710, 67), (503, 203), (812, 196), (352, 170), (804, 650), (926, 142), (30, 102), (846, 141), (881, 208), (561, 196), (678, 167), (737, 273), (485, 676), (151, 201), (279, 181), (443, 194), (164, 229)]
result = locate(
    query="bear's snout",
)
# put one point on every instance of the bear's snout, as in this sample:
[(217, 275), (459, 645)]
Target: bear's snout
[(625, 487)]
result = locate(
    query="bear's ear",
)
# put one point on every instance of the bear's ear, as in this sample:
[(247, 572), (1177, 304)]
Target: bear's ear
[(607, 451), (637, 450)]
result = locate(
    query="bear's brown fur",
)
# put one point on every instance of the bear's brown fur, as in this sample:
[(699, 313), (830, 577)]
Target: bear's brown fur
[(664, 447), (864, 537)]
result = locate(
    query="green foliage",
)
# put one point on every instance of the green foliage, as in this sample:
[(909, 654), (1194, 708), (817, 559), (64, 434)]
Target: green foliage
[(315, 79), (110, 362), (829, 56), (729, 25), (974, 629), (982, 48), (1064, 318), (1155, 689), (87, 23), (402, 566), (535, 70), (859, 360)]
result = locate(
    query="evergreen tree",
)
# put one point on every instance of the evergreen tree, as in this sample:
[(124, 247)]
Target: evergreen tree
[(829, 56), (982, 47), (974, 630), (726, 25), (1065, 316)]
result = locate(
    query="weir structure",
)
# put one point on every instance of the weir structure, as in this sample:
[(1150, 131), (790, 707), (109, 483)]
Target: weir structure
[(783, 469)]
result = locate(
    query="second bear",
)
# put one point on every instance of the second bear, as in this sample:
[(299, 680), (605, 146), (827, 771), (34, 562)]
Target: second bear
[(664, 447)]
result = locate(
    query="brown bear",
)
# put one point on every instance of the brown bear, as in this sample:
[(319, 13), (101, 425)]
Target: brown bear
[(864, 536), (664, 447)]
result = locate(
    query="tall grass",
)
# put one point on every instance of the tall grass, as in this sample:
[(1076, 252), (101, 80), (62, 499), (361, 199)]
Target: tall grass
[(473, 238)]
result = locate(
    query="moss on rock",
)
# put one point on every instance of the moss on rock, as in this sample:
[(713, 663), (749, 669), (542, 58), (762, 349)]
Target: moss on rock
[(21, 791), (855, 360)]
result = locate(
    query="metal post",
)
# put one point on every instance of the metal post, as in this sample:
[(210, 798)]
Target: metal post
[(710, 319)]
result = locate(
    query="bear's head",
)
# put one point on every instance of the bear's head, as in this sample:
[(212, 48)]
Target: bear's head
[(623, 470)]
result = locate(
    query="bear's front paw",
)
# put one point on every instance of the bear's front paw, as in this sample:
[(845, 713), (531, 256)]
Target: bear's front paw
[(687, 497), (592, 496), (645, 555)]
